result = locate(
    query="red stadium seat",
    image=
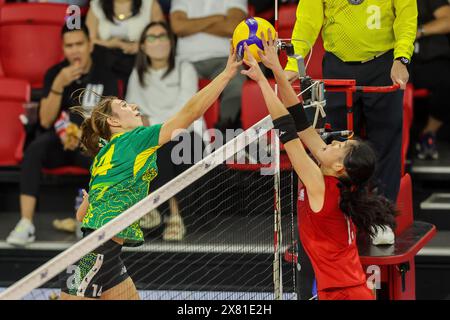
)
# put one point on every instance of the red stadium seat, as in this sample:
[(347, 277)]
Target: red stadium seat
[(286, 20), (13, 94), (253, 109), (31, 41), (404, 205), (67, 170), (212, 115)]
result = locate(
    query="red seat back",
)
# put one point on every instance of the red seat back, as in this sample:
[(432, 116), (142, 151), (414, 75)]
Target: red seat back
[(67, 170), (253, 107), (404, 205), (13, 94), (30, 36)]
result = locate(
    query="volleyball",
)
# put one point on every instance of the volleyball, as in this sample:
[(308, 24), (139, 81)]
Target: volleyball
[(249, 31)]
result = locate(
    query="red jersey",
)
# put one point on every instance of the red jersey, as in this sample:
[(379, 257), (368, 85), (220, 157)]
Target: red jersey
[(328, 238)]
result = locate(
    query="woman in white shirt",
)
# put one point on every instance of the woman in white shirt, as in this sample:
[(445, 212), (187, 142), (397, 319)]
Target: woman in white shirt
[(160, 85), (115, 27)]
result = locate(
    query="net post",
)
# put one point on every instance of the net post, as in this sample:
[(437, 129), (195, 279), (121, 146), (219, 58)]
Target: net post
[(277, 263)]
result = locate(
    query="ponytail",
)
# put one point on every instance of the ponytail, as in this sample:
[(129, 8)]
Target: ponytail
[(95, 127), (367, 209), (358, 200), (89, 138)]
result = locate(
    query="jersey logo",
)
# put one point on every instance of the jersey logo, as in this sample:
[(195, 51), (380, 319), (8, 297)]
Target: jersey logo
[(355, 2), (301, 195)]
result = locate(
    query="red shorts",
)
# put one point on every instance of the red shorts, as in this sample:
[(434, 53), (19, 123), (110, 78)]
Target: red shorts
[(361, 292)]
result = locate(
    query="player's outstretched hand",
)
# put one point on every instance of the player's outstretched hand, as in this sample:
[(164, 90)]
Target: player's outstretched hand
[(269, 57), (232, 64), (254, 71)]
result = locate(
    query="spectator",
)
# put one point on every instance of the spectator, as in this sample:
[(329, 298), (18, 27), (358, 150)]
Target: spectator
[(50, 149), (204, 28), (161, 85), (115, 27), (374, 49), (430, 69)]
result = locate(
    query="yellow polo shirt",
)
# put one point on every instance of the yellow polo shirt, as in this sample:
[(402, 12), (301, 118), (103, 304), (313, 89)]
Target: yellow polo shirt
[(356, 32)]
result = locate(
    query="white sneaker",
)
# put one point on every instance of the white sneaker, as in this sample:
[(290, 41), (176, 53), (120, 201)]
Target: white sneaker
[(150, 220), (383, 237), (22, 234)]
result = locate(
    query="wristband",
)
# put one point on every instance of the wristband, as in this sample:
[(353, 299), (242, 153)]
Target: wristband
[(299, 116), (56, 92), (285, 128)]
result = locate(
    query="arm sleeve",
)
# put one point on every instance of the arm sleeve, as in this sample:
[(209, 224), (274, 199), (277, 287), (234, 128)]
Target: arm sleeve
[(188, 84), (144, 138), (405, 27), (179, 5), (310, 16)]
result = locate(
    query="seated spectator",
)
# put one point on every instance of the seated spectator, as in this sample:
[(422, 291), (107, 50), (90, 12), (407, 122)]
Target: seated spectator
[(430, 69), (204, 28), (161, 85), (57, 146), (115, 27)]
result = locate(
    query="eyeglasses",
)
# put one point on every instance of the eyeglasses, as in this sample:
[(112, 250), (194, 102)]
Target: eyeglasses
[(152, 38)]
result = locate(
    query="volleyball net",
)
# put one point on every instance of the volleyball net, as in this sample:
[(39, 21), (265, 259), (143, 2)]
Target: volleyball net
[(237, 207)]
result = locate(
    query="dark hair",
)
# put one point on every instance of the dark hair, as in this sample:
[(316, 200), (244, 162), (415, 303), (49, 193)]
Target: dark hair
[(108, 8), (359, 201), (143, 62), (65, 29), (95, 126)]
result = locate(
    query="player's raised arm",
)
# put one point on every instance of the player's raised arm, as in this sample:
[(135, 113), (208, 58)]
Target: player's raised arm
[(307, 170), (306, 132), (200, 102)]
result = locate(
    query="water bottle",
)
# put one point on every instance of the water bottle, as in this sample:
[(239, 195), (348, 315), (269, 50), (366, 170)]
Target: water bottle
[(78, 202)]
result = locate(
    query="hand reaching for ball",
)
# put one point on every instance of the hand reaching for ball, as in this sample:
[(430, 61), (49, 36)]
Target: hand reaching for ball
[(254, 71)]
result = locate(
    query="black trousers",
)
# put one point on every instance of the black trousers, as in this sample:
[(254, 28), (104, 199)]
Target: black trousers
[(381, 114), (46, 151), (434, 76)]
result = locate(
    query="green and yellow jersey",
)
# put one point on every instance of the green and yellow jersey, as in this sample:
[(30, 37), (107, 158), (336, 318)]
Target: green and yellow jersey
[(356, 32), (120, 177)]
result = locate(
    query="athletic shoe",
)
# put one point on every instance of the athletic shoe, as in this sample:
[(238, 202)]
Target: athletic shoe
[(150, 220), (22, 234), (383, 236), (67, 225), (175, 229), (426, 147)]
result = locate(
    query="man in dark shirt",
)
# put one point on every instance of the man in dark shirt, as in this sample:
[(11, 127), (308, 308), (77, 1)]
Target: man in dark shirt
[(56, 147)]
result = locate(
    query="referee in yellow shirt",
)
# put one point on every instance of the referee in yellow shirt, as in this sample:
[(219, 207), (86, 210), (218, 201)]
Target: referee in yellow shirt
[(371, 41)]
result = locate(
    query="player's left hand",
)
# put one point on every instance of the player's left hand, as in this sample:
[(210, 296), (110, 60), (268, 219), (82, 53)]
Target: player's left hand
[(233, 64), (254, 71), (399, 74)]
